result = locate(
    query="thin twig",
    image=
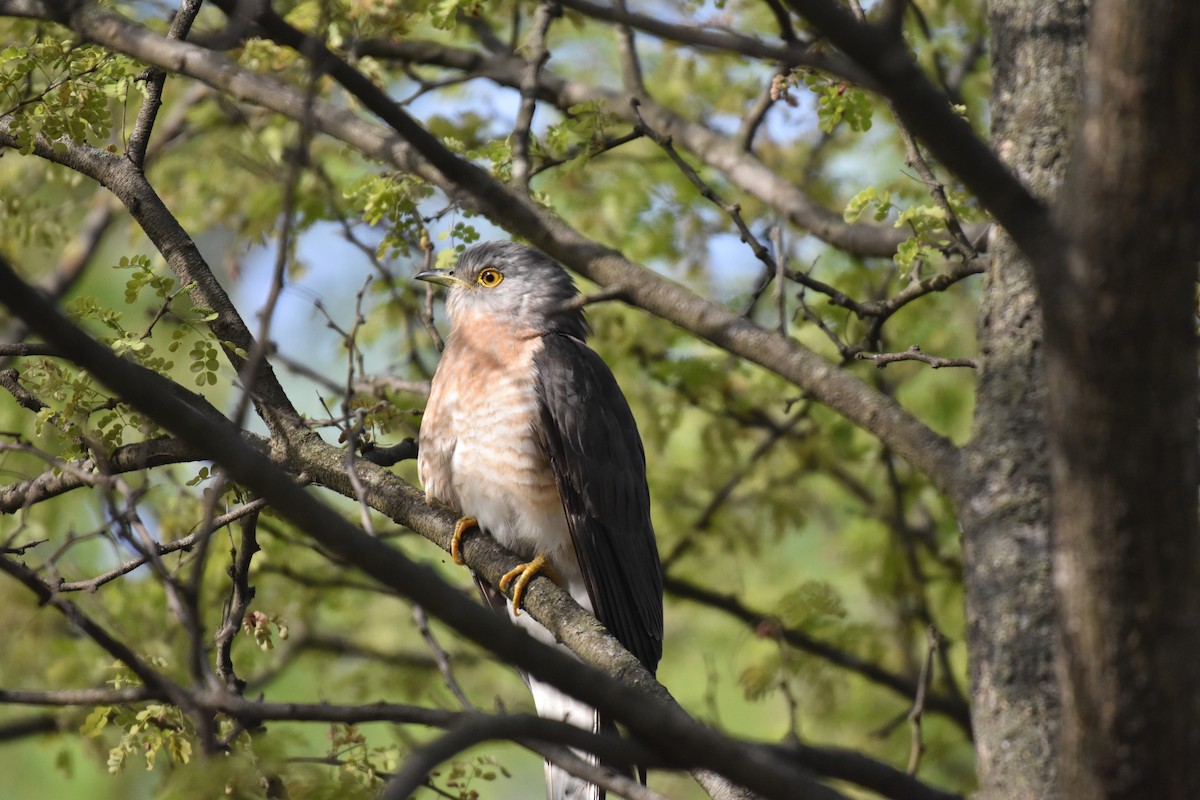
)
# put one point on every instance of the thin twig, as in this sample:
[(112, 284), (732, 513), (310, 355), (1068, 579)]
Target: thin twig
[(182, 598), (953, 708), (732, 210), (909, 538), (236, 606), (914, 353), (592, 148), (882, 310), (754, 118), (184, 543), (844, 350), (721, 497), (937, 190), (917, 748), (536, 43), (352, 433), (152, 679), (440, 657), (19, 550), (631, 65), (427, 306), (893, 14), (74, 697)]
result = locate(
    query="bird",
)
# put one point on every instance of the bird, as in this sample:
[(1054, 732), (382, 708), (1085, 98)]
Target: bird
[(528, 437)]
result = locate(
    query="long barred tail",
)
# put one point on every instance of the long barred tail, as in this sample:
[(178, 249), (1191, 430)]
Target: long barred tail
[(553, 704)]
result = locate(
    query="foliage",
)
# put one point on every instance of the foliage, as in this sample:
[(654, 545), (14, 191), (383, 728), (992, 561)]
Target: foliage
[(760, 494)]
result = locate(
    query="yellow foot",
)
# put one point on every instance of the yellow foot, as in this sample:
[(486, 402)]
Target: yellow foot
[(460, 528), (524, 574)]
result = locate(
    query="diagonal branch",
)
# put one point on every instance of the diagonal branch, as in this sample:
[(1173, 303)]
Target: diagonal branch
[(126, 181), (742, 168), (790, 52)]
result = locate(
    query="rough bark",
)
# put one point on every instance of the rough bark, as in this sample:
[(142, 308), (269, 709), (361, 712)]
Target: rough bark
[(1121, 358), (1037, 55)]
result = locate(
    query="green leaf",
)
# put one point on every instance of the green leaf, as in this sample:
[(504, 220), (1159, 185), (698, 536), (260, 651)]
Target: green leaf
[(96, 721)]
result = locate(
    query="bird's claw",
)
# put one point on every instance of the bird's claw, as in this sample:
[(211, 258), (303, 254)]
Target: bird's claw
[(524, 573), (463, 525)]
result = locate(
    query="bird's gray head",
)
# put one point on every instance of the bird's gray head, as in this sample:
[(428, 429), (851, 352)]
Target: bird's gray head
[(514, 282)]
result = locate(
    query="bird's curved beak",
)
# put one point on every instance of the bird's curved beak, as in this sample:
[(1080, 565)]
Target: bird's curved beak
[(442, 277)]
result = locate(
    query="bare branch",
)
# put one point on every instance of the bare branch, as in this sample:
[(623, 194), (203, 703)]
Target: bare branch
[(9, 381), (791, 53), (155, 79), (755, 117), (74, 697), (238, 603), (440, 656), (26, 350), (20, 550), (183, 543), (474, 729), (536, 58), (631, 65), (917, 750), (127, 458), (914, 353), (28, 726), (149, 676), (732, 210)]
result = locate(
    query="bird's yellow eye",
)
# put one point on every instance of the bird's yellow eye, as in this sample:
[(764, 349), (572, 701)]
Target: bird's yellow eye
[(490, 278)]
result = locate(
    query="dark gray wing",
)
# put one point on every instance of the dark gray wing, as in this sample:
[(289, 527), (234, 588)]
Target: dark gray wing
[(591, 439)]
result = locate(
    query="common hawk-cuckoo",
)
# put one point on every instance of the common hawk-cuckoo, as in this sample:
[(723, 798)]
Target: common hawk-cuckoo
[(527, 435)]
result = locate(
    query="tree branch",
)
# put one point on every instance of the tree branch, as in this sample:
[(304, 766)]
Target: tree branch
[(743, 169), (117, 649), (927, 113), (914, 353), (538, 54), (28, 726), (127, 458), (953, 708), (155, 79), (790, 53), (130, 186)]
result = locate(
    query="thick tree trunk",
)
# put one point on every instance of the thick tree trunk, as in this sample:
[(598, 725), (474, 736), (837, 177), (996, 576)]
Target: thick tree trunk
[(1037, 53), (1121, 355)]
